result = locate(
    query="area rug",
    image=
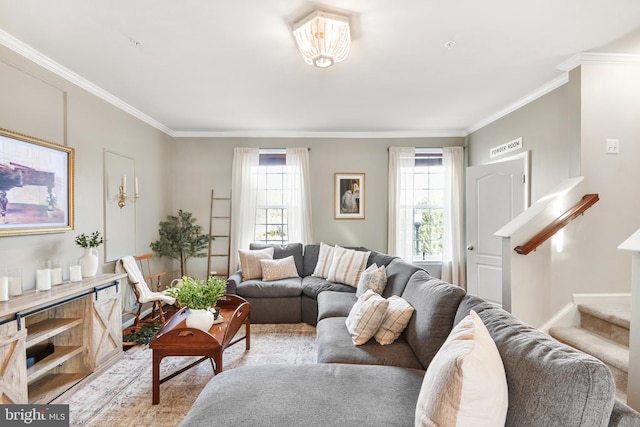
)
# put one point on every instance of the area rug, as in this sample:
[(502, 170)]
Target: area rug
[(121, 396)]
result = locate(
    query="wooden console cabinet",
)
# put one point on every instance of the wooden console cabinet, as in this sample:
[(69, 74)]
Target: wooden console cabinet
[(81, 321)]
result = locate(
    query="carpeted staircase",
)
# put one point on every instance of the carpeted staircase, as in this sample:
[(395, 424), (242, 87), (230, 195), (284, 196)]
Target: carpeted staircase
[(603, 333)]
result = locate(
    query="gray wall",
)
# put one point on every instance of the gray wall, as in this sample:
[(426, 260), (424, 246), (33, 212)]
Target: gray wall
[(610, 109), (38, 103), (202, 164), (565, 131), (544, 127)]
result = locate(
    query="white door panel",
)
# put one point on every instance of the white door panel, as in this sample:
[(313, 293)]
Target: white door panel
[(496, 193)]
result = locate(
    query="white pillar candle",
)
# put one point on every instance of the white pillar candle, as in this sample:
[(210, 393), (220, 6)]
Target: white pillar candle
[(135, 186), (43, 279), (15, 285), (75, 273), (56, 276), (124, 183), (4, 288)]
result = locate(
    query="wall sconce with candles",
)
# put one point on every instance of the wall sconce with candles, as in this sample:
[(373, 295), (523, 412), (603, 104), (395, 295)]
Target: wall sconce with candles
[(122, 192)]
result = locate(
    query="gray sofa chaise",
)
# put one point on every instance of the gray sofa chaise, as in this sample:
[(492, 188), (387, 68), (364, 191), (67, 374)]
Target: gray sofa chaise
[(549, 383)]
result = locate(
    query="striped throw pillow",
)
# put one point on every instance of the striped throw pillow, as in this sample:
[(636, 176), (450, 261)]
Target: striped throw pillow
[(325, 257), (465, 383), (347, 265), (396, 318), (365, 317), (250, 262)]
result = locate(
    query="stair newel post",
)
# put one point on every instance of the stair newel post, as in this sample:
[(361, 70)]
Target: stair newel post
[(633, 388)]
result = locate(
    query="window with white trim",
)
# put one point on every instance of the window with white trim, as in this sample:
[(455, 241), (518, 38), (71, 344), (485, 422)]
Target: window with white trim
[(271, 213), (428, 210)]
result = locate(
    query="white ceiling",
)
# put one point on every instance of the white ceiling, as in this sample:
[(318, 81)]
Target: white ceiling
[(232, 67)]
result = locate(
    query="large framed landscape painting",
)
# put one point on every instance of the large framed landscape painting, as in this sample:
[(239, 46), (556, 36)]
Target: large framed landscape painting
[(349, 196), (36, 185)]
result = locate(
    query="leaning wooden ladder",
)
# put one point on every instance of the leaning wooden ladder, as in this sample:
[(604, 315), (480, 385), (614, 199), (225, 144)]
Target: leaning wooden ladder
[(219, 229)]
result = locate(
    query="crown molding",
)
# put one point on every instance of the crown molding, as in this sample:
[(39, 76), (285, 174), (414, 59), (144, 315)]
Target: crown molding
[(598, 58), (444, 133), (44, 61), (532, 96)]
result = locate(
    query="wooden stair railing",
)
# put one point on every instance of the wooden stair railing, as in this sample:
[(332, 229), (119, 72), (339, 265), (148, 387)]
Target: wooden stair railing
[(585, 203)]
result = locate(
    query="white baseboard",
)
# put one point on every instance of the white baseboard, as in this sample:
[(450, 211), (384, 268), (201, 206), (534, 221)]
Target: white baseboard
[(602, 299), (569, 314)]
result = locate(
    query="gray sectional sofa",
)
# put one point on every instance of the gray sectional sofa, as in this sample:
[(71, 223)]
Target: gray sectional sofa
[(549, 383)]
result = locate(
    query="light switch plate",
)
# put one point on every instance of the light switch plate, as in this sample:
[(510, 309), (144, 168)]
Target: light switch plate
[(613, 146)]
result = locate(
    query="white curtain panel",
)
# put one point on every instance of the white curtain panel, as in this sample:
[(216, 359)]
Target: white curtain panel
[(298, 197), (401, 174), (453, 255), (244, 199)]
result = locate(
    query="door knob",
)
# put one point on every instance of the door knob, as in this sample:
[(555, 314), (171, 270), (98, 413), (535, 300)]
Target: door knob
[(470, 247)]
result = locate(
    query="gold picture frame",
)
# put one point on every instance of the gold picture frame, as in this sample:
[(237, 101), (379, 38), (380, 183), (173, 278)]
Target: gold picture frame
[(349, 196), (36, 185)]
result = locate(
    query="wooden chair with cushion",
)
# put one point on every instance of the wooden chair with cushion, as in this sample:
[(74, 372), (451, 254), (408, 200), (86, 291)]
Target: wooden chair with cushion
[(138, 270)]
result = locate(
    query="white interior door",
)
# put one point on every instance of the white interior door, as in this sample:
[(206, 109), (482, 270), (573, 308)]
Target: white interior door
[(496, 193)]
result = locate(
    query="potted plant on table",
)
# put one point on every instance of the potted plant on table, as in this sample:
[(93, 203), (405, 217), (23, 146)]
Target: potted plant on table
[(201, 298), (89, 261)]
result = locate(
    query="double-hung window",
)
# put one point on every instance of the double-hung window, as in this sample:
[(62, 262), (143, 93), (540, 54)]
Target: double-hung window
[(427, 205), (271, 225)]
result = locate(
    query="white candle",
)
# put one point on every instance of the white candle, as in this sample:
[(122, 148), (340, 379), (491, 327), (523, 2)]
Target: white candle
[(43, 279), (4, 288), (56, 276), (15, 285), (135, 186), (124, 183), (75, 273)]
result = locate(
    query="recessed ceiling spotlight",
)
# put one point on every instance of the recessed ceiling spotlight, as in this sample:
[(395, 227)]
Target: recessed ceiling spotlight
[(135, 43), (450, 44)]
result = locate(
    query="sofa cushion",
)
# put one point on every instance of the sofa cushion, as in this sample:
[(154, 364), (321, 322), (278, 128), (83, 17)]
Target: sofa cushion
[(396, 318), (347, 265), (250, 262), (308, 395), (373, 277), (290, 287), (312, 286), (435, 303), (377, 257), (335, 304), (283, 251), (335, 346), (276, 269), (398, 274), (366, 316), (570, 387), (465, 383), (325, 258)]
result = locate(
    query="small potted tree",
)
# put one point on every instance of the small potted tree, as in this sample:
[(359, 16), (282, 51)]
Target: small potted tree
[(201, 299), (180, 239)]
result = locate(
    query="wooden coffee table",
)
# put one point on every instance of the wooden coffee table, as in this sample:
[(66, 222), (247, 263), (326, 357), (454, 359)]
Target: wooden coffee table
[(175, 339)]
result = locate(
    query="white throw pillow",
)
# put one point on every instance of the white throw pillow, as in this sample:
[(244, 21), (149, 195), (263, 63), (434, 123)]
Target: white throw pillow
[(374, 278), (396, 318), (276, 269), (365, 317), (250, 262), (347, 265), (325, 257), (465, 385)]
